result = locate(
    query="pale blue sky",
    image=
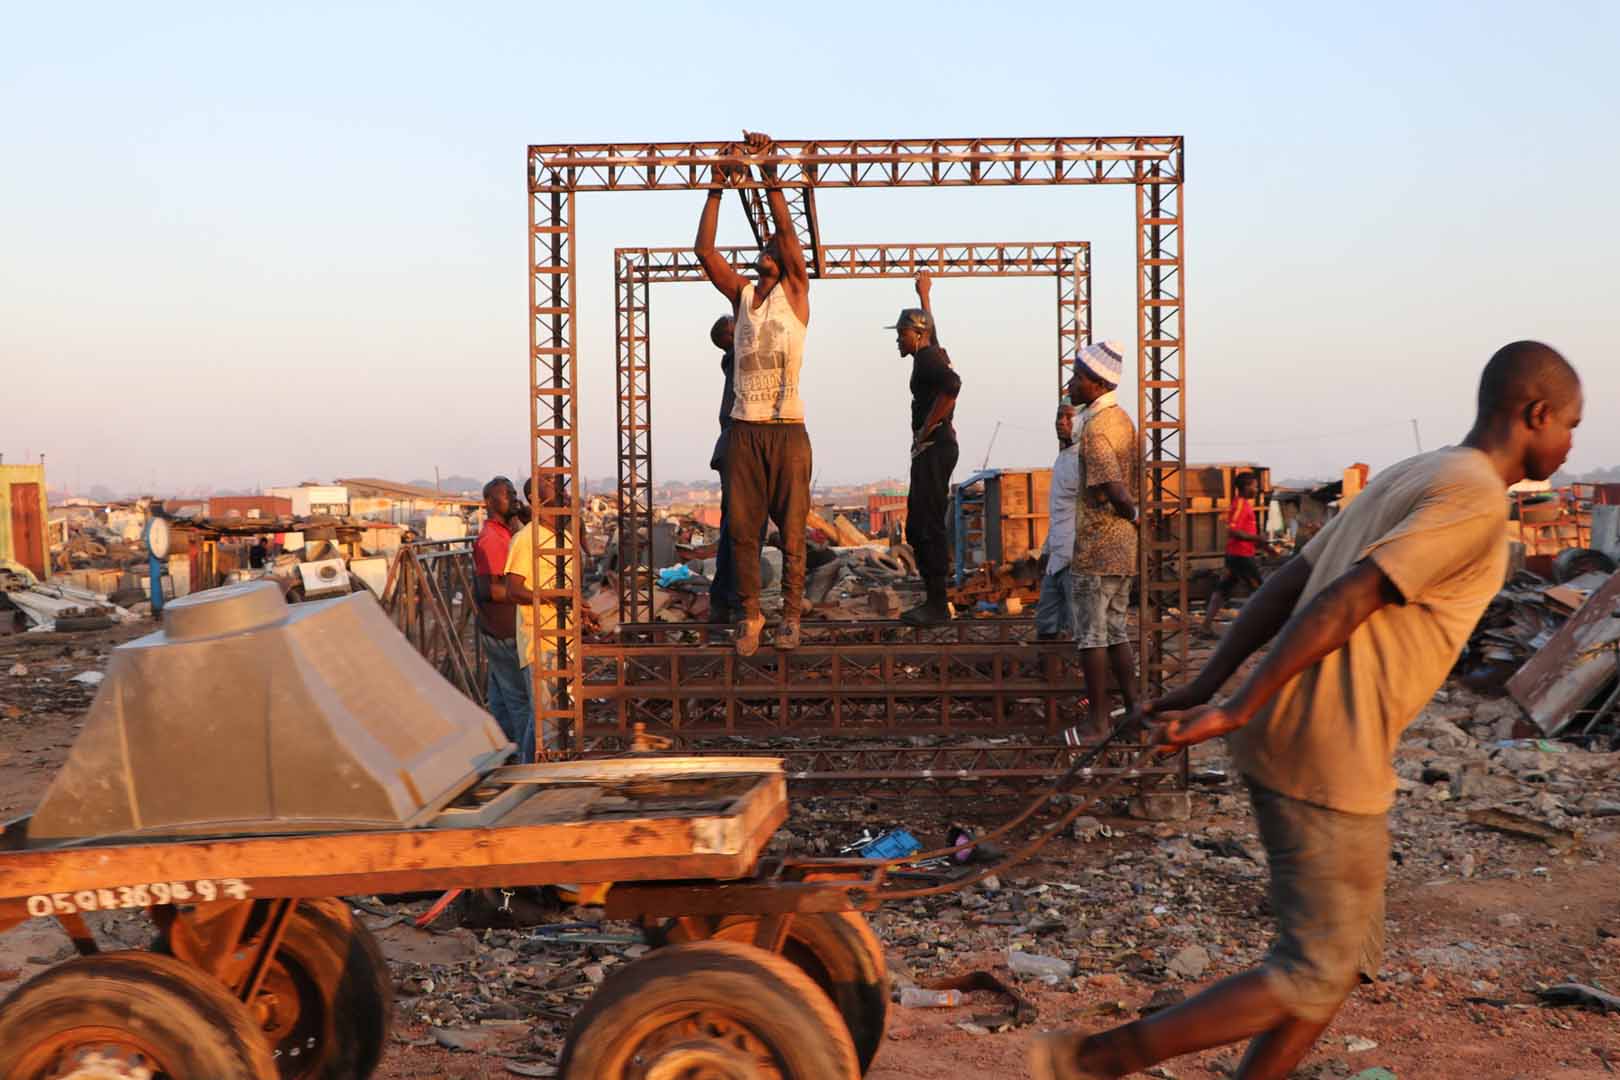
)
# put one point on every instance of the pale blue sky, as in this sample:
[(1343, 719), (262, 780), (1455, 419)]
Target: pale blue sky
[(242, 247)]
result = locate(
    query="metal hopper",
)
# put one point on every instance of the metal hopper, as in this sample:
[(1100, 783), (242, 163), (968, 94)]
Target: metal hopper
[(246, 715)]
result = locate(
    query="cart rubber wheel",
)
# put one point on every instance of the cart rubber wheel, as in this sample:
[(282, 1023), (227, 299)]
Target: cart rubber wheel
[(837, 949), (327, 999), (331, 985), (711, 1009), (129, 1016)]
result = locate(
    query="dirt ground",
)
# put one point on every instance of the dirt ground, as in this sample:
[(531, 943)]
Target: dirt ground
[(1477, 921)]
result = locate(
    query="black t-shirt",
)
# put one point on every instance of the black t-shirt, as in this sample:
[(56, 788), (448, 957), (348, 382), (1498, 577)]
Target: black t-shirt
[(728, 398), (931, 376)]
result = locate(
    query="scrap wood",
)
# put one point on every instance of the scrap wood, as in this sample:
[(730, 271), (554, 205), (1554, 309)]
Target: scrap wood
[(1507, 821), (1580, 994), (847, 535), (816, 523)]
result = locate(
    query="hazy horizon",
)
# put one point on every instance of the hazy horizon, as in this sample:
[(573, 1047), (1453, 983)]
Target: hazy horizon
[(249, 248)]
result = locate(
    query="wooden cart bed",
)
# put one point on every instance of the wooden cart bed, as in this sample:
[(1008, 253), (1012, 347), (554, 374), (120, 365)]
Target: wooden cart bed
[(646, 819)]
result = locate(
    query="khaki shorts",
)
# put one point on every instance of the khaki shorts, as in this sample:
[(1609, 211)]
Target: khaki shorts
[(1327, 893), (1097, 604)]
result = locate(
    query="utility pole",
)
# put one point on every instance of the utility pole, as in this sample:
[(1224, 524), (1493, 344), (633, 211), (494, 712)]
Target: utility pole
[(1417, 436), (991, 447)]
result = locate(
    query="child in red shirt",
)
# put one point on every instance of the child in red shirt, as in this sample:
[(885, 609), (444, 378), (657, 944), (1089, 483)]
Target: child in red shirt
[(1242, 538)]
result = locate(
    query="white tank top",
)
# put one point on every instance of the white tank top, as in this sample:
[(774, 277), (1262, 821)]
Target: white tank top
[(769, 348)]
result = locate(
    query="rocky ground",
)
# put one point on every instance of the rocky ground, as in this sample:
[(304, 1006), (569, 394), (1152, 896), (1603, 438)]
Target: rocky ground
[(1504, 881)]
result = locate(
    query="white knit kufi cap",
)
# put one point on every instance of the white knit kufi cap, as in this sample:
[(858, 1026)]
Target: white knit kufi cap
[(1103, 361)]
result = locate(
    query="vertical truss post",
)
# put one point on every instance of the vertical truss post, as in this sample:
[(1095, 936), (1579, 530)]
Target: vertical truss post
[(1161, 404), (1074, 309), (554, 410), (635, 435)]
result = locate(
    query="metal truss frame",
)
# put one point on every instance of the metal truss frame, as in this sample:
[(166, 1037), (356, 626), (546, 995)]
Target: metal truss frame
[(1153, 165), (635, 270), (949, 770), (834, 708)]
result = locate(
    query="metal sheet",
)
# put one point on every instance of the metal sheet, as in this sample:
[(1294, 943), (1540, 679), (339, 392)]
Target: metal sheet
[(1572, 667), (246, 715)]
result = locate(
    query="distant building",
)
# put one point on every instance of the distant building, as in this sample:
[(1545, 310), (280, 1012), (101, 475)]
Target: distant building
[(23, 518), (405, 504), (250, 507), (310, 500)]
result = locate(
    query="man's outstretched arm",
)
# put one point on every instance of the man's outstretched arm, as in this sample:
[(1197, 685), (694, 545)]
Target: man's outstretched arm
[(1257, 623), (1324, 625)]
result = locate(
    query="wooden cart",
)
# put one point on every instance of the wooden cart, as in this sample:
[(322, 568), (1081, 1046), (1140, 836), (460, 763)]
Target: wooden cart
[(258, 972)]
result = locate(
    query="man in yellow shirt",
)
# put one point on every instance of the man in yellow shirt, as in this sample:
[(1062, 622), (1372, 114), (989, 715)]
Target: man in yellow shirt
[(1368, 620), (520, 567)]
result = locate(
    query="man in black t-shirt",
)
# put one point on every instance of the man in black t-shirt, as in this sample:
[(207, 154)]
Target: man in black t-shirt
[(723, 606), (934, 387)]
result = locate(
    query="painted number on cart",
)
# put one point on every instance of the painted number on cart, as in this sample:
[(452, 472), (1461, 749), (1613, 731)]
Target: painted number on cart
[(137, 896)]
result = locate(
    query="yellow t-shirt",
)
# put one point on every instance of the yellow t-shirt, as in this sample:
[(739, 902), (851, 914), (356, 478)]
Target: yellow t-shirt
[(519, 560), (1434, 524)]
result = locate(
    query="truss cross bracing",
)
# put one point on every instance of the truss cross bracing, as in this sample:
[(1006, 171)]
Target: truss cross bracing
[(1153, 165), (636, 269)]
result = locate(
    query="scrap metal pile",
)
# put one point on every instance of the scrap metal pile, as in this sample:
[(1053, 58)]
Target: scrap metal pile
[(1553, 649)]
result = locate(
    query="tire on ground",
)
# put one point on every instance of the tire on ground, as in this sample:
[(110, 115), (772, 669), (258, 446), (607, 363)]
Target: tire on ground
[(837, 949), (333, 966), (664, 1003), (355, 986), (188, 1021)]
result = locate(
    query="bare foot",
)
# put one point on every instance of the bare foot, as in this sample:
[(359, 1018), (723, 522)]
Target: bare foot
[(1055, 1056), (748, 630)]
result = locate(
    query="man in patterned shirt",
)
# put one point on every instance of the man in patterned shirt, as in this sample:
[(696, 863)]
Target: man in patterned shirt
[(1104, 563)]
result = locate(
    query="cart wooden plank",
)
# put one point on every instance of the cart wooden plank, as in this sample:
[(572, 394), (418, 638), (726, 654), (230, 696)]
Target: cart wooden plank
[(594, 835)]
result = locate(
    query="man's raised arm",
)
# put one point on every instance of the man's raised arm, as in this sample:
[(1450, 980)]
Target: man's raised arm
[(791, 252), (925, 296), (715, 267)]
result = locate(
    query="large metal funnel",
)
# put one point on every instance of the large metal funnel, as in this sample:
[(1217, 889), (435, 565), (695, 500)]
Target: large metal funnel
[(245, 715)]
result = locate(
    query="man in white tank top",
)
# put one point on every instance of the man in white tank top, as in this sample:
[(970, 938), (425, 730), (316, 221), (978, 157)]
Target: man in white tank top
[(767, 462)]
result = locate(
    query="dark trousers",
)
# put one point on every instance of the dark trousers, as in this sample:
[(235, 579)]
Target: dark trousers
[(767, 475), (926, 506), (723, 589)]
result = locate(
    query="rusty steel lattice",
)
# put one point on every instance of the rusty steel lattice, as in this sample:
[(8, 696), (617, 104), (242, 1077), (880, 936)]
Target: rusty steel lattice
[(890, 684), (1152, 165), (959, 769), (833, 707), (428, 596), (635, 270)]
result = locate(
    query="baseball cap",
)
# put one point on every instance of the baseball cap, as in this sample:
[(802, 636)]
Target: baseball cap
[(913, 318)]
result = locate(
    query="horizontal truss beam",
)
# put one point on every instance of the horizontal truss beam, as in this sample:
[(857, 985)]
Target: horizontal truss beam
[(663, 265), (1068, 262), (858, 163)]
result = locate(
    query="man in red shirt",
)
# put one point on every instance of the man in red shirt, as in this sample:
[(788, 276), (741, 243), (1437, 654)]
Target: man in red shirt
[(507, 692), (1242, 537)]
